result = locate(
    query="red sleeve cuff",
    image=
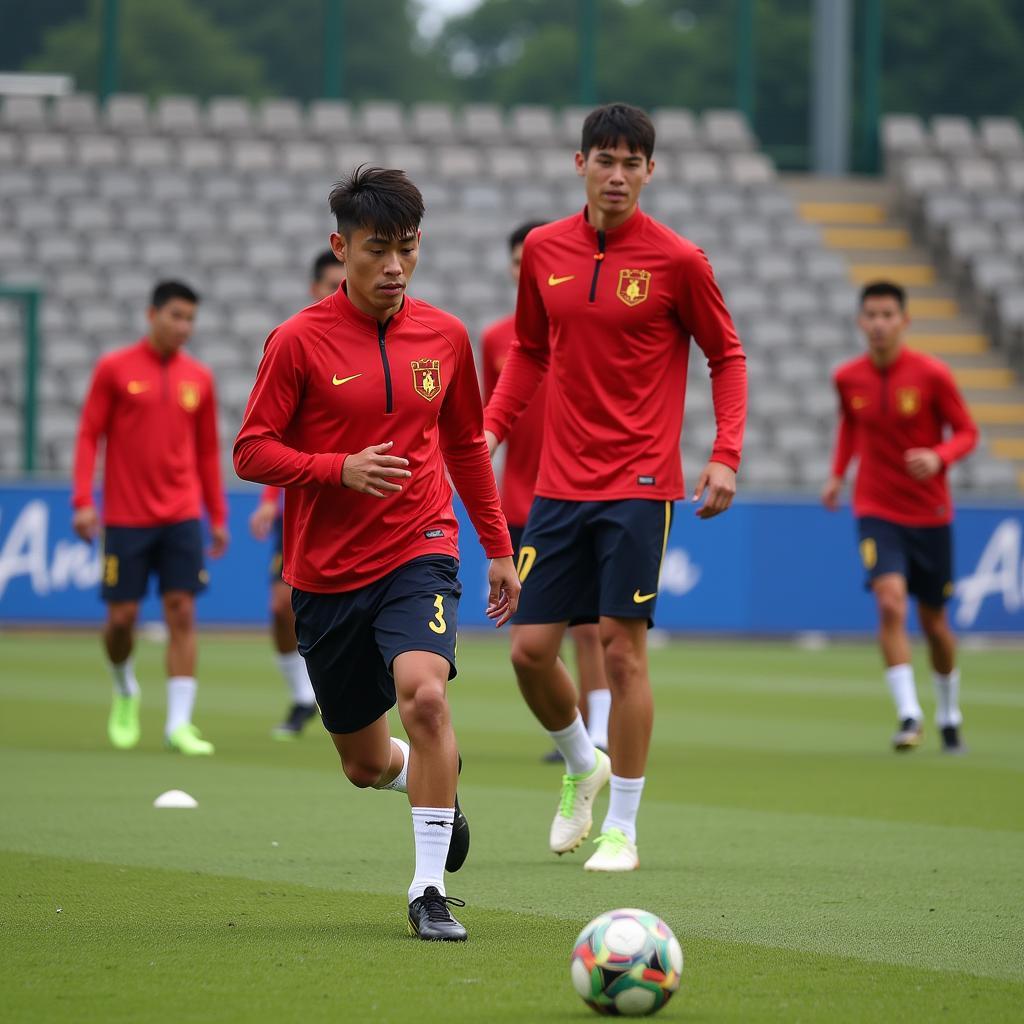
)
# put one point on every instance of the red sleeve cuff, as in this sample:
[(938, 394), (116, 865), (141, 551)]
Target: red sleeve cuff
[(726, 458)]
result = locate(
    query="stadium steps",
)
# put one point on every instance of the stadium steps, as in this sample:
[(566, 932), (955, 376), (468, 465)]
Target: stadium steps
[(859, 218)]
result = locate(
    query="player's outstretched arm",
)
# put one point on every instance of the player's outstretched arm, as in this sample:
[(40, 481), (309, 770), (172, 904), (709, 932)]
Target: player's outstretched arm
[(717, 485), (374, 471), (503, 598)]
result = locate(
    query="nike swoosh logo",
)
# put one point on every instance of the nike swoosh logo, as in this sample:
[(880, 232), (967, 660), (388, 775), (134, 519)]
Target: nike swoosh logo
[(344, 380), (443, 824), (136, 387), (639, 598), (552, 280)]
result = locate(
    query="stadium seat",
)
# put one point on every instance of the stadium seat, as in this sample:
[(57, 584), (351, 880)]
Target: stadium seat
[(974, 174), (280, 119), (177, 115), (675, 127), (1001, 136), (303, 158), (126, 113), (98, 151), (571, 126), (416, 161), (202, 154), (145, 151), (75, 113), (382, 121), (953, 136), (750, 169), (700, 169), (482, 123), (330, 120), (432, 123), (23, 113), (50, 150), (230, 116), (533, 125), (903, 135)]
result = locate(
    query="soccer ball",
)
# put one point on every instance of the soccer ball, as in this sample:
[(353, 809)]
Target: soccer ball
[(626, 962)]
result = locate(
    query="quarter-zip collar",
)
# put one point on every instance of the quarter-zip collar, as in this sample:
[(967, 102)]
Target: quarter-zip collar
[(146, 346), (629, 228), (345, 307), (884, 371)]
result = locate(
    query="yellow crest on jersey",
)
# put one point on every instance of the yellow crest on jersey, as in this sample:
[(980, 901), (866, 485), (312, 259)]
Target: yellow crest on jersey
[(908, 401), (188, 395), (426, 378), (634, 286)]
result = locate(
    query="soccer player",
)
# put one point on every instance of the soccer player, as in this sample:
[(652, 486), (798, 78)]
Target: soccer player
[(901, 415), (360, 403), (325, 279), (154, 405), (608, 301), (522, 459)]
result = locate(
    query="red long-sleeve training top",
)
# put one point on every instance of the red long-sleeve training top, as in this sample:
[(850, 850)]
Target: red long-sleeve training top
[(158, 415), (334, 381), (885, 411), (526, 438), (613, 313)]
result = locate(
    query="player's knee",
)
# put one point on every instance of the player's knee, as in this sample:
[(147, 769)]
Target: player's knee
[(121, 618), (426, 709), (529, 656), (623, 663), (363, 772), (892, 607), (179, 611)]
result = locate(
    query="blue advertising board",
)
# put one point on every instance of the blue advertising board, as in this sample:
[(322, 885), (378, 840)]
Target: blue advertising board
[(767, 567)]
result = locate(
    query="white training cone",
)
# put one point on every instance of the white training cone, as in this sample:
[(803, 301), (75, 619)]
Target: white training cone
[(175, 798)]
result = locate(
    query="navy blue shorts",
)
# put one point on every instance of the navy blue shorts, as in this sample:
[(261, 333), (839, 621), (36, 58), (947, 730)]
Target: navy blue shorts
[(922, 555), (132, 553), (580, 560), (276, 550), (350, 640)]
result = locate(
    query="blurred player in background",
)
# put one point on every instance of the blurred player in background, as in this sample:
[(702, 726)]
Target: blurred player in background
[(154, 406), (519, 477), (895, 409), (608, 301), (361, 403), (325, 279)]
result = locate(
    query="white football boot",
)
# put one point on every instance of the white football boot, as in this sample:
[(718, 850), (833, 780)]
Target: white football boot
[(575, 815), (615, 852)]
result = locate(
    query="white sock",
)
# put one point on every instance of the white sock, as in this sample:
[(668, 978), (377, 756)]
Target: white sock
[(947, 699), (124, 678), (293, 668), (181, 695), (576, 746), (623, 805), (599, 703), (904, 693), (400, 783), (432, 831)]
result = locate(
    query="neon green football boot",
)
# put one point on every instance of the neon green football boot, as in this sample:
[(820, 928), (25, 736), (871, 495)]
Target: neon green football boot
[(123, 723), (187, 740)]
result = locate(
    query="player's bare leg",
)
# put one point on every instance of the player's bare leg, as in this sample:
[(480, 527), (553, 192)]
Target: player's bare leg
[(942, 650), (119, 642), (549, 692), (439, 828), (180, 616), (890, 590), (370, 758), (291, 663), (595, 696), (629, 735)]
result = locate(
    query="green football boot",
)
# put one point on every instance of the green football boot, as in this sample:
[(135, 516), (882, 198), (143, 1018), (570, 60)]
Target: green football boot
[(123, 723), (187, 740)]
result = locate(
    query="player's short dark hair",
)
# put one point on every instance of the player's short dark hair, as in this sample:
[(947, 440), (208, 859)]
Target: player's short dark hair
[(884, 290), (518, 236), (383, 201), (166, 291), (321, 263), (607, 126)]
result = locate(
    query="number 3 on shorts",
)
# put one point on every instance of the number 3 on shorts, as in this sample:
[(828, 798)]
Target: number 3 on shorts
[(438, 625)]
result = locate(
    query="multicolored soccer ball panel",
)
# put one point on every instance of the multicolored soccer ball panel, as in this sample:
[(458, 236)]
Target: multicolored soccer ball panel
[(626, 962)]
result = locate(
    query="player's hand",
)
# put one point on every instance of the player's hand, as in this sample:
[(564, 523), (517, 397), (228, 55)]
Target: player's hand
[(492, 442), (503, 599), (86, 523), (922, 463), (830, 493), (718, 485), (261, 521), (219, 538), (374, 471)]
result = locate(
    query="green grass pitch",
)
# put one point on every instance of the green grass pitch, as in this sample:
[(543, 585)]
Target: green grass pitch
[(809, 873)]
